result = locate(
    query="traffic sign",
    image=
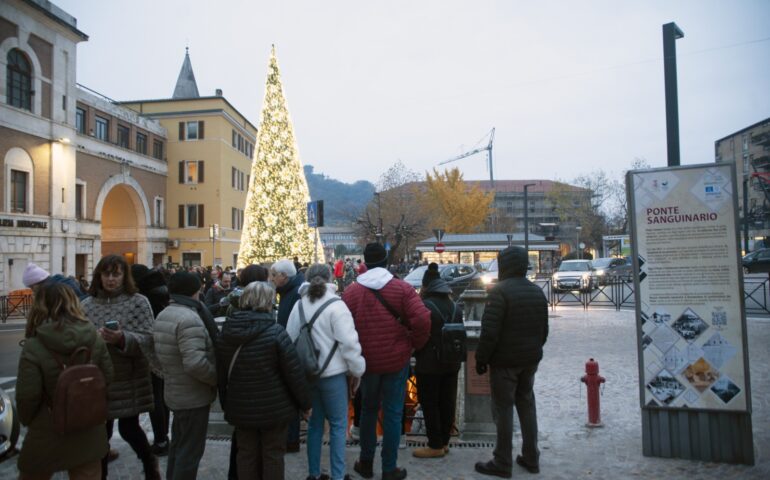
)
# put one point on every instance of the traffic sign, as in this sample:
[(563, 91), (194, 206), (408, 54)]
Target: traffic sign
[(387, 246), (439, 248), (439, 233)]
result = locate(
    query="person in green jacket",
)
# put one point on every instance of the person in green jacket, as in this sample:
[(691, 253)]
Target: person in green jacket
[(56, 324)]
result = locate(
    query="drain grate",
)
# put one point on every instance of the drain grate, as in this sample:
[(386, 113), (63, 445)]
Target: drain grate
[(355, 443)]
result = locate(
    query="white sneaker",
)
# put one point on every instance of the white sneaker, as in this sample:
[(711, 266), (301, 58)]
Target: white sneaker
[(402, 442), (354, 433)]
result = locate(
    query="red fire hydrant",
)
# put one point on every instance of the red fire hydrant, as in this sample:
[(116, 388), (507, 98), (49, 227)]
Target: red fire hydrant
[(592, 379)]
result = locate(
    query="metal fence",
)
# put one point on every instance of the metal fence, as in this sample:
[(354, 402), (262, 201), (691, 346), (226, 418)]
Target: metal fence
[(619, 294), (13, 305)]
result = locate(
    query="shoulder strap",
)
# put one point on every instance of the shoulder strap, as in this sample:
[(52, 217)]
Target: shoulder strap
[(232, 362), (386, 305), (320, 309)]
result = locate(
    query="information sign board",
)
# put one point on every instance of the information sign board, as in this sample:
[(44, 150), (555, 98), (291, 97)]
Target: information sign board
[(691, 323)]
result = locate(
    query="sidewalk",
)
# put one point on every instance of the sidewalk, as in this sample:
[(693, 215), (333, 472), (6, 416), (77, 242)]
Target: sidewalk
[(568, 449)]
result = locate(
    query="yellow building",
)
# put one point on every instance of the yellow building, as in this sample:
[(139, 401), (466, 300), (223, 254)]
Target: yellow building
[(210, 147)]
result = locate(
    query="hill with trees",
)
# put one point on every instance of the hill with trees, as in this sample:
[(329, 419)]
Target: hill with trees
[(343, 202)]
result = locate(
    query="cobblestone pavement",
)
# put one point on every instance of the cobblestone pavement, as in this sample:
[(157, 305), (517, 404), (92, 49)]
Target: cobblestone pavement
[(568, 449)]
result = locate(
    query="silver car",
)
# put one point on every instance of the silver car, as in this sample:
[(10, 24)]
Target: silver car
[(573, 275)]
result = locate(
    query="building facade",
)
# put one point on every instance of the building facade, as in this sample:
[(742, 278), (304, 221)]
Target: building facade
[(209, 151), (67, 180), (749, 148)]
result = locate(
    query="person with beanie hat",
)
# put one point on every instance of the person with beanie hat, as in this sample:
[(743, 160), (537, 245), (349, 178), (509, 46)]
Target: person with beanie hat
[(391, 322), (514, 329), (430, 274), (35, 277), (436, 379), (152, 285), (185, 350)]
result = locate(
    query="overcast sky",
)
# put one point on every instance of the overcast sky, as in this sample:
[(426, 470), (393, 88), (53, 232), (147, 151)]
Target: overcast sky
[(571, 87)]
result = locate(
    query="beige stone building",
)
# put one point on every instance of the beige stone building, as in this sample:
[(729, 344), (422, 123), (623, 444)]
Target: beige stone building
[(79, 175), (749, 148), (209, 154)]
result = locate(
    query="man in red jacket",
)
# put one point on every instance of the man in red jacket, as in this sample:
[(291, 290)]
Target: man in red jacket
[(391, 322), (339, 273)]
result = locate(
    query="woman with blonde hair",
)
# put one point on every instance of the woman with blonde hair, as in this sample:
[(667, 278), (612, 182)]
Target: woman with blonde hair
[(56, 328), (262, 383)]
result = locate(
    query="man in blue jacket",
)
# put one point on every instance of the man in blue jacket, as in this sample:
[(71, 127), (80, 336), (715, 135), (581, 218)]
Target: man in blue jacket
[(514, 329)]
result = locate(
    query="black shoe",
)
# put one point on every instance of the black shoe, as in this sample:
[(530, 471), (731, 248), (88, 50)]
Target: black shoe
[(364, 468), (397, 474), (489, 468), (160, 449), (151, 468), (292, 447), (531, 469), (322, 476)]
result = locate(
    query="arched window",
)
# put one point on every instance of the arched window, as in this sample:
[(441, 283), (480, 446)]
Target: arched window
[(19, 74)]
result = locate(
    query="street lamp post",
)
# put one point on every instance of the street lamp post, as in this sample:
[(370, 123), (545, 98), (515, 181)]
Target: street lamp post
[(379, 218), (526, 216), (577, 240), (671, 32)]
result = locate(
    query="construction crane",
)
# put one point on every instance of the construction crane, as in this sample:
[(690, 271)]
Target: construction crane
[(487, 148)]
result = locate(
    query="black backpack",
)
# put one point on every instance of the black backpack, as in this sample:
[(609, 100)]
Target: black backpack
[(452, 347)]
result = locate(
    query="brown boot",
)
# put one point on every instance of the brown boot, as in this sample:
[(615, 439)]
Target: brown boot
[(427, 452)]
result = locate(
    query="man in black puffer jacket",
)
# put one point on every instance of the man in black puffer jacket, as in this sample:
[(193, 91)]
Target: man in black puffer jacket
[(514, 329)]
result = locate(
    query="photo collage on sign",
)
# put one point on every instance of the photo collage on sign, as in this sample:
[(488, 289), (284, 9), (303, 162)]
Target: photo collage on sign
[(684, 367)]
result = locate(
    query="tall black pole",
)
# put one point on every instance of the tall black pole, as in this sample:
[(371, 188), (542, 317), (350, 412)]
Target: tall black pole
[(670, 33), (526, 216), (745, 214)]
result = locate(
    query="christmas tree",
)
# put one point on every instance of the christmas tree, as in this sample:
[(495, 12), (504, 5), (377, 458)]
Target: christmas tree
[(275, 224)]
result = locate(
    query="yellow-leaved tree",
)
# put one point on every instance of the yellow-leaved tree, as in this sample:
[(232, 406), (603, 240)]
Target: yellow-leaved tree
[(453, 204)]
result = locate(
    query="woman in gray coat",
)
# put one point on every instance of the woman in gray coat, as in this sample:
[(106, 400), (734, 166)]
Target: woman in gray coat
[(124, 320)]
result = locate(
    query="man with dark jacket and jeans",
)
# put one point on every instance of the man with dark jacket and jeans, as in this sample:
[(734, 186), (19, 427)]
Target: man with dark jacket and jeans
[(391, 322), (287, 282), (514, 329)]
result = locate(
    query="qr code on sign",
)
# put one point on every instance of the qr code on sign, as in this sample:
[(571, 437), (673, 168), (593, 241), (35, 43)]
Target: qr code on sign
[(719, 318)]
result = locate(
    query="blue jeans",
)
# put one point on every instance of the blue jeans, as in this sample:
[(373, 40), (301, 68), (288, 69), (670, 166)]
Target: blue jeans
[(330, 401), (388, 389)]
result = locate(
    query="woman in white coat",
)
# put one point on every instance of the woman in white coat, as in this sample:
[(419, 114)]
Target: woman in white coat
[(334, 326)]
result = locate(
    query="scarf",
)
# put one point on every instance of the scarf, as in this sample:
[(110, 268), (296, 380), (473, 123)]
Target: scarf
[(203, 312)]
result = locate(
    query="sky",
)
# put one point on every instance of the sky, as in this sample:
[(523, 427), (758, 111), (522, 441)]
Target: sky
[(570, 87)]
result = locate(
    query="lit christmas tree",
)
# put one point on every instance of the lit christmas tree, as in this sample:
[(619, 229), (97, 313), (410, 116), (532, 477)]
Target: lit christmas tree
[(275, 224)]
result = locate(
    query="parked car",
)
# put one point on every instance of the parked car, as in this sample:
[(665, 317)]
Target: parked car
[(573, 275), (757, 261), (9, 425), (457, 275), (607, 270), (487, 279)]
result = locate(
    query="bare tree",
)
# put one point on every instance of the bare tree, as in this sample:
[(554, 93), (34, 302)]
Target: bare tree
[(395, 215)]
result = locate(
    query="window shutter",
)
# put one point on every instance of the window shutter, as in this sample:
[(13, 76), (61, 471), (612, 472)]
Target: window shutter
[(200, 171), (181, 130), (181, 216), (200, 130), (181, 172), (200, 215)]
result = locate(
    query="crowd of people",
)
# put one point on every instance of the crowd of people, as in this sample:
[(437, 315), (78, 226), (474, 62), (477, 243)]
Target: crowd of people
[(153, 335)]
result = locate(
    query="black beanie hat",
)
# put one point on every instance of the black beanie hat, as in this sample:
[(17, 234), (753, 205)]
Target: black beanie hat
[(430, 275), (375, 255), (139, 271), (184, 283)]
